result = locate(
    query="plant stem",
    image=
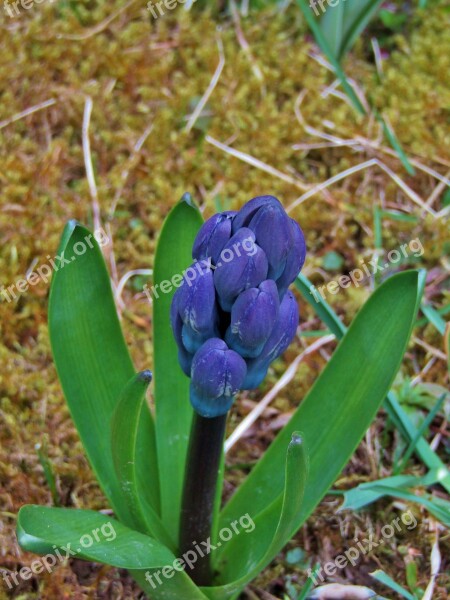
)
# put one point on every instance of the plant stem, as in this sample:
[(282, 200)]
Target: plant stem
[(200, 488)]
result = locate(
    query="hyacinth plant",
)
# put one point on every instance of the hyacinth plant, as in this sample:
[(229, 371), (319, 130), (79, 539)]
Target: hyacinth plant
[(218, 325)]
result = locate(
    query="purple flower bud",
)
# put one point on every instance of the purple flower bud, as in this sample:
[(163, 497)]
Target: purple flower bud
[(273, 231), (196, 301), (213, 236), (282, 335), (242, 265), (175, 320), (295, 259), (253, 317), (185, 359), (217, 375), (248, 211)]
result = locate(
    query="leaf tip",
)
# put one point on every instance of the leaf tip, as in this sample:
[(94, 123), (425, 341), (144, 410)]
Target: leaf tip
[(145, 376), (187, 198), (297, 439)]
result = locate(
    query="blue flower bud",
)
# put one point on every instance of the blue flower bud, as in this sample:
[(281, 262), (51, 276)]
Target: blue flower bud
[(273, 231), (295, 259), (242, 265), (253, 317), (185, 359), (196, 301), (213, 236), (248, 211), (282, 335), (217, 375)]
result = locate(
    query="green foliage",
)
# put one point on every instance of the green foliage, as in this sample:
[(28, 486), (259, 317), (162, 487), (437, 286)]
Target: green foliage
[(173, 411), (140, 462)]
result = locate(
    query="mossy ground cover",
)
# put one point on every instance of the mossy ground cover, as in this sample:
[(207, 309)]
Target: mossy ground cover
[(144, 78)]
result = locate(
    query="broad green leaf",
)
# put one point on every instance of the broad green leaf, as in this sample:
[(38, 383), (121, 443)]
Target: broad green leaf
[(96, 537), (91, 356), (327, 50), (339, 408), (124, 438), (173, 409), (392, 406), (90, 536), (273, 527)]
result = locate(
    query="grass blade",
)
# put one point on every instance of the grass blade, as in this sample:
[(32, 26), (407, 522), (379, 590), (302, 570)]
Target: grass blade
[(323, 43), (384, 578)]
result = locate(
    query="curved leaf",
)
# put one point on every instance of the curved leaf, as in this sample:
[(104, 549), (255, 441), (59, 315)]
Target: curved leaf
[(339, 408), (41, 528), (44, 530), (273, 528), (124, 437), (91, 357)]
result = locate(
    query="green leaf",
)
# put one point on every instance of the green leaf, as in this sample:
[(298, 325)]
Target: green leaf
[(124, 438), (332, 26), (40, 528), (320, 305), (384, 578), (91, 356), (433, 317), (339, 408), (367, 493), (357, 15), (439, 508), (44, 530), (173, 408), (273, 527), (341, 25), (395, 144), (327, 50), (392, 406)]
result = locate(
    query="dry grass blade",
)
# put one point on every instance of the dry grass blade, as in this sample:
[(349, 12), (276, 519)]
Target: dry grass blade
[(27, 112), (209, 90), (88, 163), (254, 162), (97, 28)]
